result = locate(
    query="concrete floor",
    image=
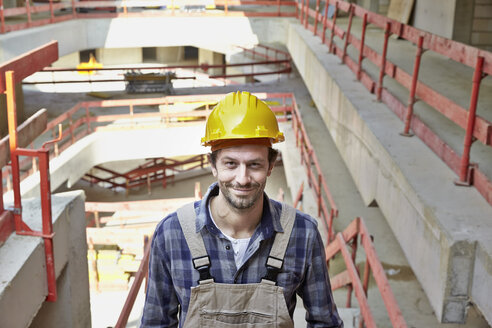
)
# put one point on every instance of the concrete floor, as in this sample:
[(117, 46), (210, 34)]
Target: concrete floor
[(410, 296)]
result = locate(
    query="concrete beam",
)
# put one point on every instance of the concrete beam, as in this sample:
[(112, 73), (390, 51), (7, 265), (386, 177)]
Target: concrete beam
[(26, 263)]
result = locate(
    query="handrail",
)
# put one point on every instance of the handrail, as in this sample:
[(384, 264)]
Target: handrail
[(151, 171), (63, 11), (476, 127), (316, 179), (350, 277)]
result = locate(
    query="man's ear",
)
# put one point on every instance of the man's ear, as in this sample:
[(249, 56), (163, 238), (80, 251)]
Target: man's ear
[(212, 165), (271, 165)]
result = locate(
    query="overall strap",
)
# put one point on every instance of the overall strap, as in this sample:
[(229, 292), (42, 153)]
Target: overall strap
[(199, 255), (275, 260)]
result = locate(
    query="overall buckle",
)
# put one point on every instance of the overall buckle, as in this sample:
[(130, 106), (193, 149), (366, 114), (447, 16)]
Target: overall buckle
[(273, 266), (202, 265)]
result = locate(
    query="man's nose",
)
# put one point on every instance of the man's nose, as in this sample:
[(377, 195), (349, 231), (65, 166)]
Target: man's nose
[(242, 176)]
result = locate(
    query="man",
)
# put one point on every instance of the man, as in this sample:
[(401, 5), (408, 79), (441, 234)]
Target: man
[(237, 258)]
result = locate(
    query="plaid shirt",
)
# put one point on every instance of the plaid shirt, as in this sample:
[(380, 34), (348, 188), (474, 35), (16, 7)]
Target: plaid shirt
[(171, 272)]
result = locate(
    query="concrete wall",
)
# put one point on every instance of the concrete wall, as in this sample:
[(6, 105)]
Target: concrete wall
[(70, 60), (435, 16), (415, 195), (169, 54), (119, 56), (209, 57), (216, 34), (23, 283), (481, 29)]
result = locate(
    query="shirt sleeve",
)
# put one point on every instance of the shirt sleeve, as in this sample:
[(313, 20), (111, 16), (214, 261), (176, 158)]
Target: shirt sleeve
[(161, 303), (315, 290)]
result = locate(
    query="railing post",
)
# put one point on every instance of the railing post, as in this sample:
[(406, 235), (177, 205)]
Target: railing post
[(52, 14), (330, 47), (413, 88), (383, 61), (88, 119), (225, 7), (361, 50), (28, 12), (325, 17), (12, 123), (278, 8), (316, 17), (45, 186), (72, 138), (301, 13), (465, 173), (306, 14), (2, 18), (347, 35), (74, 10), (320, 178)]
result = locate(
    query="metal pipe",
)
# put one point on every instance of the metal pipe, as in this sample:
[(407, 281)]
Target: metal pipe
[(383, 60), (413, 88), (52, 14), (2, 18), (347, 35), (12, 123), (316, 17), (361, 51), (325, 17), (28, 12), (306, 13), (330, 49), (465, 158), (45, 186)]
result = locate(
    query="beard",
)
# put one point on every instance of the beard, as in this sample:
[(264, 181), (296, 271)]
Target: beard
[(242, 202)]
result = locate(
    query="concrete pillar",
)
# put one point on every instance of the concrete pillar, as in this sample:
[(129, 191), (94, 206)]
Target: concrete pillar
[(169, 55), (371, 5), (70, 60), (212, 58), (118, 56), (23, 283), (426, 14)]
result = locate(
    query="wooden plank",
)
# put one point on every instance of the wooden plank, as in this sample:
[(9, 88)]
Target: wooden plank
[(161, 205), (117, 236), (400, 10), (29, 130), (29, 63)]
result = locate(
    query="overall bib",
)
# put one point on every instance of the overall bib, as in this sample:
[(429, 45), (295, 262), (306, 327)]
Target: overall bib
[(236, 305)]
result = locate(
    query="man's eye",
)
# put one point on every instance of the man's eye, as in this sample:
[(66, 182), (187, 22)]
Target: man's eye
[(230, 163)]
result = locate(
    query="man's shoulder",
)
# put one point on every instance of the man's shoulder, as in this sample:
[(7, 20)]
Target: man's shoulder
[(170, 223), (302, 218)]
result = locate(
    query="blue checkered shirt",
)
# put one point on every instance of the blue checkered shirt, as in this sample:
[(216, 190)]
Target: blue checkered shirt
[(171, 272)]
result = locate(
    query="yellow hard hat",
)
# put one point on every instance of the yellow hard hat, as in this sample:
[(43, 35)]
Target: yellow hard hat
[(240, 115)]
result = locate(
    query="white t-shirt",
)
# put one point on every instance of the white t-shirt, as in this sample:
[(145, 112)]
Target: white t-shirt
[(238, 245)]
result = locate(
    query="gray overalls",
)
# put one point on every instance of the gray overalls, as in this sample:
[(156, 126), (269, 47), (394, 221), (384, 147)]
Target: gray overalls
[(236, 305)]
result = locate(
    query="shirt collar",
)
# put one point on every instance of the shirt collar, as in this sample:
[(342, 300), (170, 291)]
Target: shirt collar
[(269, 223)]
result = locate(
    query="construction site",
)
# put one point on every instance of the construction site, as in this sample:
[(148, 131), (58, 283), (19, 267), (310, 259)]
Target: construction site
[(386, 108)]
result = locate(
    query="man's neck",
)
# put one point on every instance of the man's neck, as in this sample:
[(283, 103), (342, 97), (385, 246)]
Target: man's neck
[(236, 223)]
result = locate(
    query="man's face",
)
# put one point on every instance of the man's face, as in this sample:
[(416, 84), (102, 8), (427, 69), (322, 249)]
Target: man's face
[(242, 172)]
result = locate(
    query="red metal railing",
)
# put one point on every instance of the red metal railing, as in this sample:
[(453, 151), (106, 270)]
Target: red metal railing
[(476, 127), (355, 231), (278, 63), (54, 11), (12, 73), (315, 175), (153, 170)]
